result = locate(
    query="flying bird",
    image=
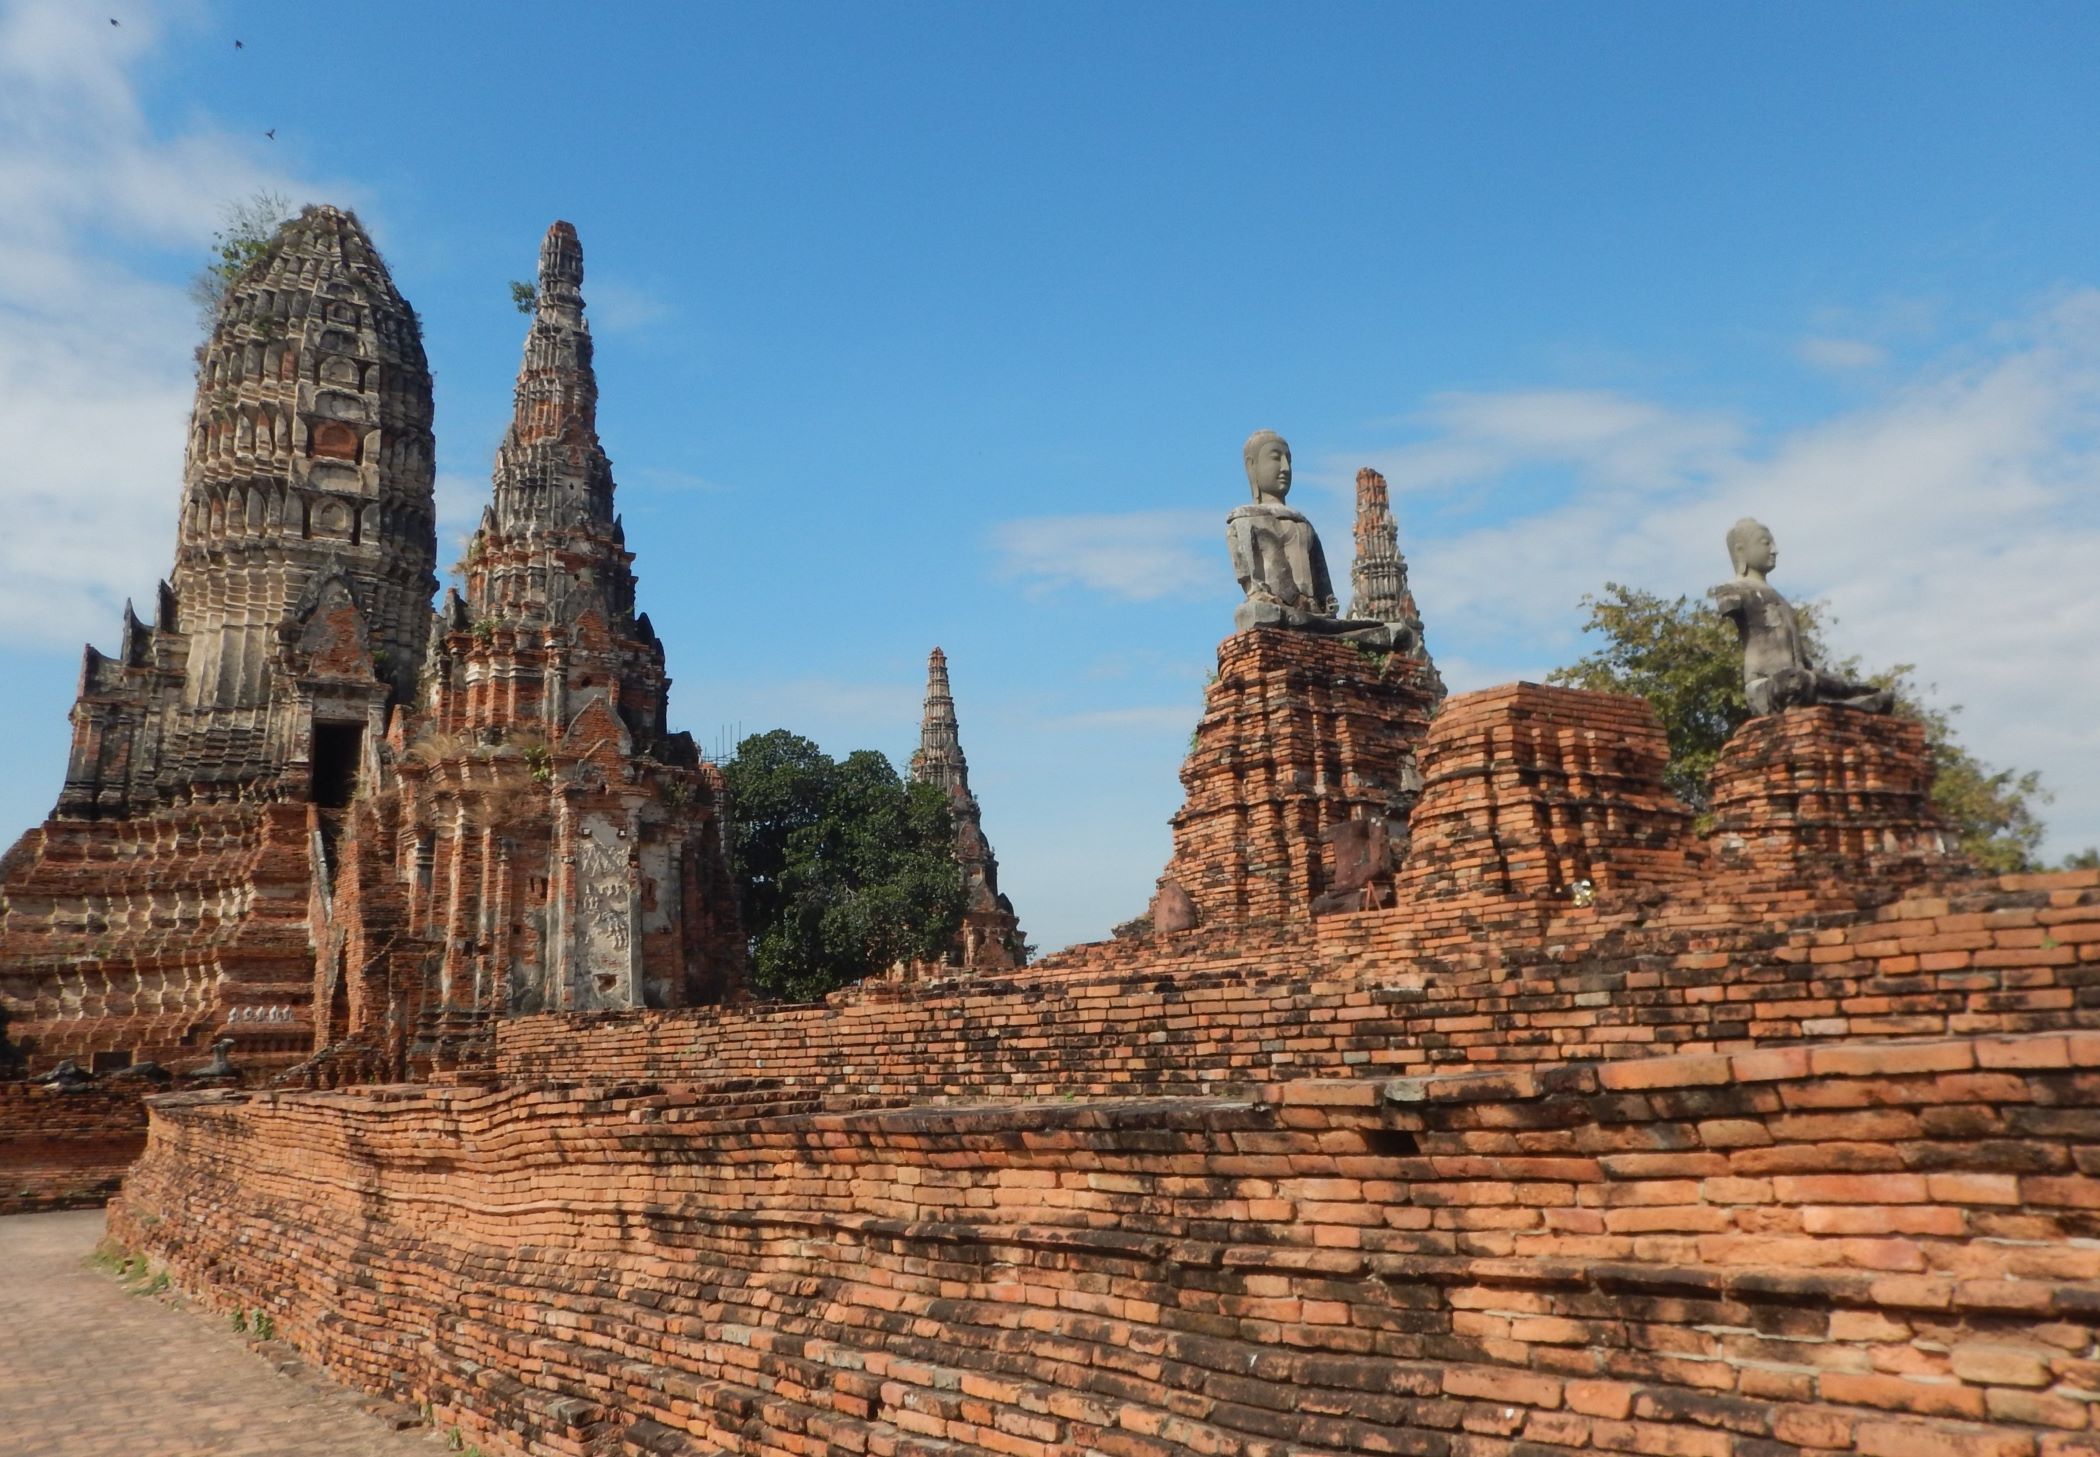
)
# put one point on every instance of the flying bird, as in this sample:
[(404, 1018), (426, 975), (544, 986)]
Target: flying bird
[(271, 133), (238, 46), (113, 20)]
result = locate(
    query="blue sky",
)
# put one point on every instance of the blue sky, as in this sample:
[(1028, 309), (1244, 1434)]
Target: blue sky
[(943, 324)]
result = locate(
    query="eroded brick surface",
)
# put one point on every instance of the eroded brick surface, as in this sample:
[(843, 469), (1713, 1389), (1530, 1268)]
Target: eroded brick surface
[(1700, 1253)]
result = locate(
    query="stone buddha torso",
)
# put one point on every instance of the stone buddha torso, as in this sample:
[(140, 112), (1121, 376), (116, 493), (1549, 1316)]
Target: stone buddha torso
[(1277, 557)]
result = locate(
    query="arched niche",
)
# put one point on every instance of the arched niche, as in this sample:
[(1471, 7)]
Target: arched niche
[(333, 440), (331, 520)]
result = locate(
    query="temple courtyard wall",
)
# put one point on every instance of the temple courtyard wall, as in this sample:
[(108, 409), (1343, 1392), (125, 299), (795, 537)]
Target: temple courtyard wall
[(66, 1150), (1881, 1249)]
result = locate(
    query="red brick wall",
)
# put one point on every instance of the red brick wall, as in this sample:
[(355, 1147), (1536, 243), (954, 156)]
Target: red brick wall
[(1825, 785), (1882, 1250), (1298, 734), (143, 935), (1719, 964), (66, 1150)]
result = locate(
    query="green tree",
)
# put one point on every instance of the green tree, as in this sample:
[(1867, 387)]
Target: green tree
[(246, 229), (1682, 656), (844, 866), (524, 297)]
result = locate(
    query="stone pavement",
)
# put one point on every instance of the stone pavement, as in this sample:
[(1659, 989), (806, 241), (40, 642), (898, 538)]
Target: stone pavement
[(88, 1369)]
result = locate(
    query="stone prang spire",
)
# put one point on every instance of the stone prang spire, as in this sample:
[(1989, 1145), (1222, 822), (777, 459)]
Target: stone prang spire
[(550, 528), (550, 551), (940, 761), (990, 936), (1378, 581)]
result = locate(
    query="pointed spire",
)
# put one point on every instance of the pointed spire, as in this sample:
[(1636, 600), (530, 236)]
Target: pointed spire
[(990, 936), (940, 758), (1378, 581), (561, 268), (551, 471)]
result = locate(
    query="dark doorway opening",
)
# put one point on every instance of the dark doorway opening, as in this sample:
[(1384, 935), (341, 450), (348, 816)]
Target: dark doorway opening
[(338, 748)]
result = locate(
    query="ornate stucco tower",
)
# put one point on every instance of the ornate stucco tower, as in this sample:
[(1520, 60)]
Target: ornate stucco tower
[(167, 900), (990, 936), (304, 557), (542, 842)]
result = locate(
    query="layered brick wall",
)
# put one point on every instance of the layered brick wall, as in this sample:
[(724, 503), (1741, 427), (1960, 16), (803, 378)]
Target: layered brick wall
[(154, 936), (1370, 1181), (1884, 1250), (66, 1150), (1724, 964), (1299, 733), (1529, 790), (1829, 786)]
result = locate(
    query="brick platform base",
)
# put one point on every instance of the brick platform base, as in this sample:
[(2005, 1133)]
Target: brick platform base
[(1829, 787)]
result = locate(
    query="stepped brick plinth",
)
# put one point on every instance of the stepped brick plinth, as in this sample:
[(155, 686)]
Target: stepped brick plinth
[(1300, 733), (153, 936), (1529, 790), (1828, 789)]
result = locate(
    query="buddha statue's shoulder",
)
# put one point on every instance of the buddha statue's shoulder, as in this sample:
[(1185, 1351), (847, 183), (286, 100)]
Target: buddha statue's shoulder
[(1740, 592), (1267, 511)]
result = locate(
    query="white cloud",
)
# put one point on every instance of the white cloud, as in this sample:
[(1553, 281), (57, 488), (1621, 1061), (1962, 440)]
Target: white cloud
[(1951, 521), (1841, 356), (95, 357), (623, 308), (1139, 556), (1607, 438)]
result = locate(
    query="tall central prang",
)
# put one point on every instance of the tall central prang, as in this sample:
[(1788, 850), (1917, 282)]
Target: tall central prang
[(304, 557)]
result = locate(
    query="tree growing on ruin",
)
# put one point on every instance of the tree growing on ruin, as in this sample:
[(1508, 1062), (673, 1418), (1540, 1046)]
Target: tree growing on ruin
[(246, 228), (844, 866), (1682, 657)]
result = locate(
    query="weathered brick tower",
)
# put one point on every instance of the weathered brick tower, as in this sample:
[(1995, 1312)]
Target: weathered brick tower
[(168, 895), (990, 936), (539, 840)]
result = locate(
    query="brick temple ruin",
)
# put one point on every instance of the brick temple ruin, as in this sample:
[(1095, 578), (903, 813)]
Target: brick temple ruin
[(1462, 1099)]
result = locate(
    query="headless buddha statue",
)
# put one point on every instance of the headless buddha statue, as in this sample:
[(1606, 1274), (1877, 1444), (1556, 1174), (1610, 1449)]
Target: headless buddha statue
[(1777, 673), (1277, 557)]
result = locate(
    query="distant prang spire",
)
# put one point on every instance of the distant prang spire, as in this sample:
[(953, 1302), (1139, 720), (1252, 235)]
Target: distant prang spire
[(990, 935), (939, 760), (1378, 581)]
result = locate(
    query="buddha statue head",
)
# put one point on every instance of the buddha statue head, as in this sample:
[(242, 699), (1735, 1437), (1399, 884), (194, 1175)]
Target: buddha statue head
[(1751, 550), (1268, 459)]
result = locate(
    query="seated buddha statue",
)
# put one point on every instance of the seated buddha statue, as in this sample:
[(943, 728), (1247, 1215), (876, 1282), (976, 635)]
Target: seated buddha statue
[(1277, 557), (1777, 673)]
